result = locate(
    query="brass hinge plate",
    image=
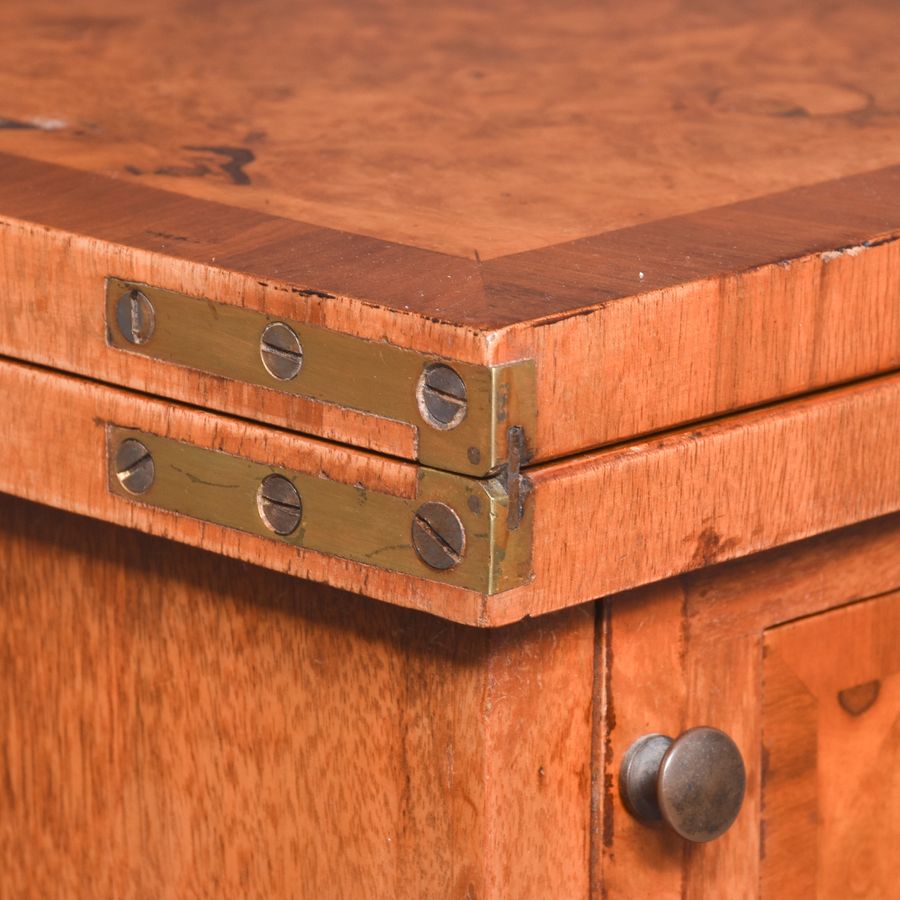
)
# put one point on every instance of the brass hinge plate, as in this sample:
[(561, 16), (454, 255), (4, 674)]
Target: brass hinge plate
[(369, 376), (337, 519)]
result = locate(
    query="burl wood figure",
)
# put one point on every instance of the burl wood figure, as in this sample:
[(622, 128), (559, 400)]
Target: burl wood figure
[(449, 451)]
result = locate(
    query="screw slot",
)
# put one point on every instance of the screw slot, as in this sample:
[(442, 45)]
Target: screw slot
[(281, 351), (438, 536), (134, 467), (135, 317), (442, 397), (279, 504)]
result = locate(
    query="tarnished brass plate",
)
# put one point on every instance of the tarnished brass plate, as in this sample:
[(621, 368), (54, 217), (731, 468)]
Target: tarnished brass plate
[(370, 376), (338, 519)]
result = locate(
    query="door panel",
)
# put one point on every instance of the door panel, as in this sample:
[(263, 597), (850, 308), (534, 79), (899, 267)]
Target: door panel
[(831, 738)]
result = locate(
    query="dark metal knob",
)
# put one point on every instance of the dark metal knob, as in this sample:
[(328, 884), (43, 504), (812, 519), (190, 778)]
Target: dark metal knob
[(695, 784)]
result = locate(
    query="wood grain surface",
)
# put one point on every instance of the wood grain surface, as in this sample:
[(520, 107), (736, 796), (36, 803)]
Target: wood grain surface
[(691, 651), (602, 523), (831, 733), (176, 724), (673, 209), (483, 129)]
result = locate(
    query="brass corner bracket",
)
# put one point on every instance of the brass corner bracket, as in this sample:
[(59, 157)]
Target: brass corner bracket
[(456, 530), (462, 412)]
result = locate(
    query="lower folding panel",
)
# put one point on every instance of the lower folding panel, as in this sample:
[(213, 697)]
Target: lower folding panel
[(506, 547)]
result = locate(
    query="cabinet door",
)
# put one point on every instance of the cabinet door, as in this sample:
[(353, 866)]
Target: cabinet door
[(795, 654), (831, 762)]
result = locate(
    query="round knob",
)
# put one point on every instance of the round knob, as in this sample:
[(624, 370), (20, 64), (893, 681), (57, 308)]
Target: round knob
[(695, 783)]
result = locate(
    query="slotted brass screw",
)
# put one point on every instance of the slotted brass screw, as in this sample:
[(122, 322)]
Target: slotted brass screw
[(281, 351), (442, 397), (279, 504), (134, 467), (135, 317), (438, 535)]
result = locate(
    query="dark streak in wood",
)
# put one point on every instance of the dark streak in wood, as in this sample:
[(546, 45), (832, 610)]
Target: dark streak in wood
[(608, 726), (859, 699), (16, 125), (237, 157)]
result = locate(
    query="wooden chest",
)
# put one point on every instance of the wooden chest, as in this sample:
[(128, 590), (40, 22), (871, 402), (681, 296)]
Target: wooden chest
[(449, 451)]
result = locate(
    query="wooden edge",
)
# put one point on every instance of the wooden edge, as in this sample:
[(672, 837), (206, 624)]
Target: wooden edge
[(527, 289), (638, 513), (313, 263), (538, 705), (565, 280), (687, 352), (632, 332), (700, 315)]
